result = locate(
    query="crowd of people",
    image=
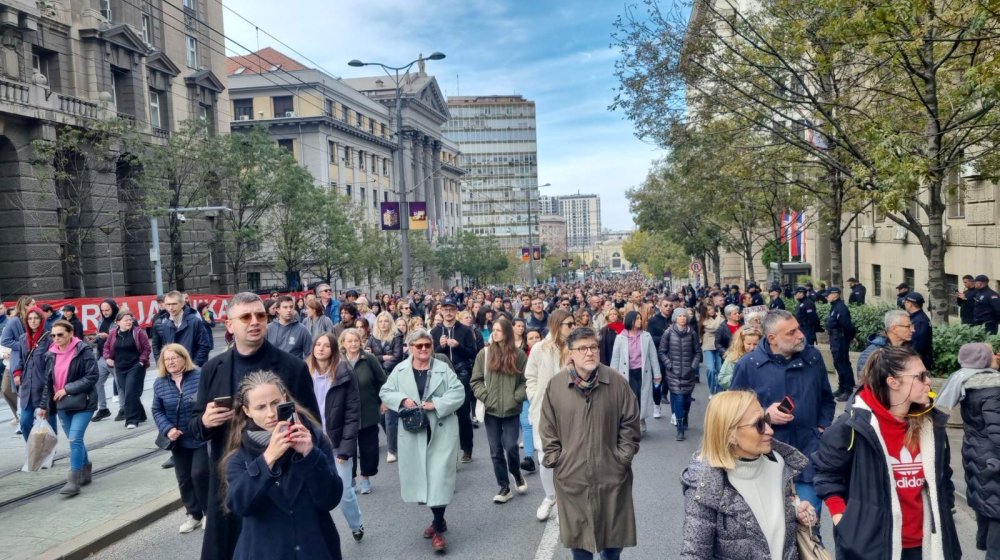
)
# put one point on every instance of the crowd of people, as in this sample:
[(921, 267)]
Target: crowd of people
[(571, 373)]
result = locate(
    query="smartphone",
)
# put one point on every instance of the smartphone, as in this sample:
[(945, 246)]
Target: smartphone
[(786, 405), (223, 402), (286, 412)]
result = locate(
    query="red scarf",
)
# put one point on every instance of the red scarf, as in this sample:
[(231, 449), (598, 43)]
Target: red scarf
[(617, 326)]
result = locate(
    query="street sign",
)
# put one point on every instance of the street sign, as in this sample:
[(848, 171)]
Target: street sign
[(696, 267)]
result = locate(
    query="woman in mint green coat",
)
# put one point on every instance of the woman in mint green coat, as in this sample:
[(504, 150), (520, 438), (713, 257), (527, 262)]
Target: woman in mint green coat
[(428, 458)]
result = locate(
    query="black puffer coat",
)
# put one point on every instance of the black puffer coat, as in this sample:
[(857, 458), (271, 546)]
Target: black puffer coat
[(342, 411), (680, 357), (81, 378), (981, 444), (392, 348), (32, 367)]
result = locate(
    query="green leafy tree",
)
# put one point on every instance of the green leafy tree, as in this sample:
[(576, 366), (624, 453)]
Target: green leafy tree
[(332, 238), (292, 221)]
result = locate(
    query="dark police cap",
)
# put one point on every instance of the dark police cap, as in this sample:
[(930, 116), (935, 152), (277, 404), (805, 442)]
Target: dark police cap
[(915, 297), (982, 278), (801, 290), (833, 290)]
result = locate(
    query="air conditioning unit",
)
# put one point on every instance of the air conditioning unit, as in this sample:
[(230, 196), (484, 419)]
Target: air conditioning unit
[(244, 117), (900, 233), (868, 232), (289, 114)]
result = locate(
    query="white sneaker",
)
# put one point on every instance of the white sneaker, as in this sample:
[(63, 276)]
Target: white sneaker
[(545, 510), (673, 420), (190, 524), (656, 412), (521, 486), (503, 496), (131, 427), (204, 522), (114, 398), (390, 457)]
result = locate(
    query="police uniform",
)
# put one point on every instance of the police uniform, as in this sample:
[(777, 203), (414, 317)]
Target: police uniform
[(807, 317), (776, 303), (842, 331), (922, 342), (858, 293), (986, 311)]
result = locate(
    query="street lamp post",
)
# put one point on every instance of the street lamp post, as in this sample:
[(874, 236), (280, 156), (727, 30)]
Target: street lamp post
[(154, 250), (107, 230), (531, 243), (404, 211)]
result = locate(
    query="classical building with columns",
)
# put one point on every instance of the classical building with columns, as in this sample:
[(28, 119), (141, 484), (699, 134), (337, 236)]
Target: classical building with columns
[(343, 132), (68, 64)]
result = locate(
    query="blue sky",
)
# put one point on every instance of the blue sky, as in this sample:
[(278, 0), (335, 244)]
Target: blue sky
[(555, 53)]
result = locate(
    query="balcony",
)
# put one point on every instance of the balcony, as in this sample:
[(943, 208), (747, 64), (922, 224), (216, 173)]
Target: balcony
[(38, 102)]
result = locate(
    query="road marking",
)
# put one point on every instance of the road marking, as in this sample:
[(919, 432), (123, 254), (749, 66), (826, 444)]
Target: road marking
[(550, 540)]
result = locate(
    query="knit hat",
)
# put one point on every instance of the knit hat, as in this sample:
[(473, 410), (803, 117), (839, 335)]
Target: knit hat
[(975, 355), (677, 313)]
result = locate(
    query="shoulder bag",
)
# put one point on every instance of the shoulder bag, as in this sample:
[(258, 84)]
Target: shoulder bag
[(414, 419)]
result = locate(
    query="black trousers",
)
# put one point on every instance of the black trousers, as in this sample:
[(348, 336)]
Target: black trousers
[(367, 451), (988, 536), (502, 434), (464, 413), (635, 383), (131, 380), (916, 553), (839, 347), (223, 529), (191, 469)]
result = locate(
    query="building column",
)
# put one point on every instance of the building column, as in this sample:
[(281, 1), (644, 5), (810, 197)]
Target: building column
[(429, 182), (438, 186), (406, 168), (419, 193)]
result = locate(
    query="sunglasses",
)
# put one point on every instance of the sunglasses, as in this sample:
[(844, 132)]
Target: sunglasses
[(569, 323), (922, 376), (59, 335), (760, 425), (261, 316), (421, 346)]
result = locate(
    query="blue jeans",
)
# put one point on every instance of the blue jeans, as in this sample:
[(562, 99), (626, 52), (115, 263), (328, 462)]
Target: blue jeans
[(606, 554), (28, 420), (713, 363), (807, 493), (527, 435), (349, 501), (75, 426), (679, 406)]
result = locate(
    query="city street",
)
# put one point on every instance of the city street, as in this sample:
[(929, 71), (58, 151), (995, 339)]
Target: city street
[(480, 529)]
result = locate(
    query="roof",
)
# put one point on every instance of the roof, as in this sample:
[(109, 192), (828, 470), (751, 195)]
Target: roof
[(414, 82), (263, 61)]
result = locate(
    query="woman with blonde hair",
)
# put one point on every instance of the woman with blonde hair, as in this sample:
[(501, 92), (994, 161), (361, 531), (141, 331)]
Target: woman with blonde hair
[(386, 342), (547, 359), (174, 393), (371, 377), (744, 340), (609, 333), (741, 480)]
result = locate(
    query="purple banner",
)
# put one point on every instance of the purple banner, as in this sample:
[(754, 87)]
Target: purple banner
[(390, 215)]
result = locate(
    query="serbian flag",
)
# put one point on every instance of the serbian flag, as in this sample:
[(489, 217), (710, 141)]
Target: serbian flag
[(796, 234)]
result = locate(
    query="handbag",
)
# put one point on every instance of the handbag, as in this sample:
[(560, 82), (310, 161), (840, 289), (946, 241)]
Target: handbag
[(480, 405), (163, 442), (73, 402), (808, 544), (413, 419)]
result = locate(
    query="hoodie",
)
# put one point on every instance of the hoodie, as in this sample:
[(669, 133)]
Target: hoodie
[(63, 358), (293, 338)]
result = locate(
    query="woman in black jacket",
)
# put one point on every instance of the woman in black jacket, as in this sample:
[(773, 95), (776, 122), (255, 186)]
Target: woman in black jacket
[(883, 467), (109, 311), (339, 401)]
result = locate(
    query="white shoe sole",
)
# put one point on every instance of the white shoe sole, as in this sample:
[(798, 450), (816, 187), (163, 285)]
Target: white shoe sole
[(545, 511), (500, 499)]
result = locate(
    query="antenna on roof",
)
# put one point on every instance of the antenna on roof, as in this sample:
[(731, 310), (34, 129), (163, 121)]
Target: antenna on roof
[(458, 86)]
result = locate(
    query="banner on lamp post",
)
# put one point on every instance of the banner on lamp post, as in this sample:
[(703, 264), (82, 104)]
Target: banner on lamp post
[(389, 211), (525, 254), (418, 215), (536, 253)]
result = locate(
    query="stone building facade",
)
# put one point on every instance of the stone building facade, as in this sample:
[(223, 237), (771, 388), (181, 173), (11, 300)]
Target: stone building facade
[(69, 64)]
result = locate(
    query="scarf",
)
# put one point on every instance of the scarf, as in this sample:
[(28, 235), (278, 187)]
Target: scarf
[(954, 389), (585, 386)]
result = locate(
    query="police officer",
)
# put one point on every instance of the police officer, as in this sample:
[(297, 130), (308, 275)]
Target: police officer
[(842, 331), (806, 315), (811, 293), (776, 301), (858, 292), (966, 299), (987, 308), (923, 336), (901, 290), (755, 297), (734, 296)]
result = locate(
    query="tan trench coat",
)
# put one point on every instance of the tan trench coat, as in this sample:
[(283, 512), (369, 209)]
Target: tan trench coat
[(590, 444)]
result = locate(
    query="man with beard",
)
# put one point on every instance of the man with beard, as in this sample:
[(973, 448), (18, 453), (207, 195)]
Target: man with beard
[(784, 368)]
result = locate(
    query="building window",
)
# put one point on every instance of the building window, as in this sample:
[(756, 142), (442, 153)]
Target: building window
[(362, 192), (371, 127), (385, 166), (154, 110), (333, 151), (191, 45), (361, 159), (253, 281), (357, 119), (383, 130), (288, 145), (374, 167), (908, 277), (956, 204), (121, 90), (878, 216), (328, 108), (877, 279), (348, 191), (374, 198), (106, 9), (347, 157), (190, 6), (343, 113), (385, 196), (147, 29), (283, 106), (243, 109)]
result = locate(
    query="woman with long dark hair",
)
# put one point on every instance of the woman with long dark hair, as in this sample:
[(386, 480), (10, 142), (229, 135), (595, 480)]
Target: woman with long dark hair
[(634, 356), (339, 401), (280, 475), (127, 350), (13, 330), (498, 381), (883, 467)]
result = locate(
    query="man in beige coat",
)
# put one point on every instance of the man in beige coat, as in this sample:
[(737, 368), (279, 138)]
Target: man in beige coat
[(590, 433)]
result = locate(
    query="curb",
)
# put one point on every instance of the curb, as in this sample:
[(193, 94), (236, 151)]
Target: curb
[(114, 530)]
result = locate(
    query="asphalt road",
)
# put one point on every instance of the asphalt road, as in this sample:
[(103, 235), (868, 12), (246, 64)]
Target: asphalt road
[(482, 530)]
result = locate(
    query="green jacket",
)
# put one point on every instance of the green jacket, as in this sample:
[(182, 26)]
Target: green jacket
[(502, 394), (371, 377)]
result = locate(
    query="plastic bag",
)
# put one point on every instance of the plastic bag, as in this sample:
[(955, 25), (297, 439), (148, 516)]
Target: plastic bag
[(41, 446)]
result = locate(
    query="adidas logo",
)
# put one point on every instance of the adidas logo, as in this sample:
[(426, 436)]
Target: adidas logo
[(906, 469)]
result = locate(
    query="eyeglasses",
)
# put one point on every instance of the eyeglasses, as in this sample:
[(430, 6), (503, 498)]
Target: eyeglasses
[(59, 335), (326, 290), (586, 349), (259, 315), (569, 323), (760, 424), (907, 326), (421, 346), (923, 376)]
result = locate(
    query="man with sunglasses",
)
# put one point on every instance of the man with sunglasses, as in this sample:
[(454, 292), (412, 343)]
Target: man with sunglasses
[(456, 341), (589, 411), (331, 305), (220, 377), (791, 383)]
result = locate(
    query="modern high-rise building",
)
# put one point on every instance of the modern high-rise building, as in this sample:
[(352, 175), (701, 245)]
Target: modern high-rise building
[(495, 135), (583, 219)]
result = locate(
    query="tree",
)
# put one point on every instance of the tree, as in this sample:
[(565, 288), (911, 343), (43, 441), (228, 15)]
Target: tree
[(292, 221), (653, 252), (332, 239)]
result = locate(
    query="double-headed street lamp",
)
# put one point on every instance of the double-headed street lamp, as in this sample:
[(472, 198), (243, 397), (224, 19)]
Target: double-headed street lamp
[(154, 226), (531, 243), (404, 211)]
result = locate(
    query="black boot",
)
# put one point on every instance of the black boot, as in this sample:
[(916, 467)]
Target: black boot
[(528, 465), (101, 415), (121, 415)]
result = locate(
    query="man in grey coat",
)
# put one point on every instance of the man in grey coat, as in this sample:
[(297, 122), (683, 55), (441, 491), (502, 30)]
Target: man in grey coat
[(287, 333)]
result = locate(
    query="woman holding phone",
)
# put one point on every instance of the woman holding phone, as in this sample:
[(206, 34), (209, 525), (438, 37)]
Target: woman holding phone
[(281, 477)]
